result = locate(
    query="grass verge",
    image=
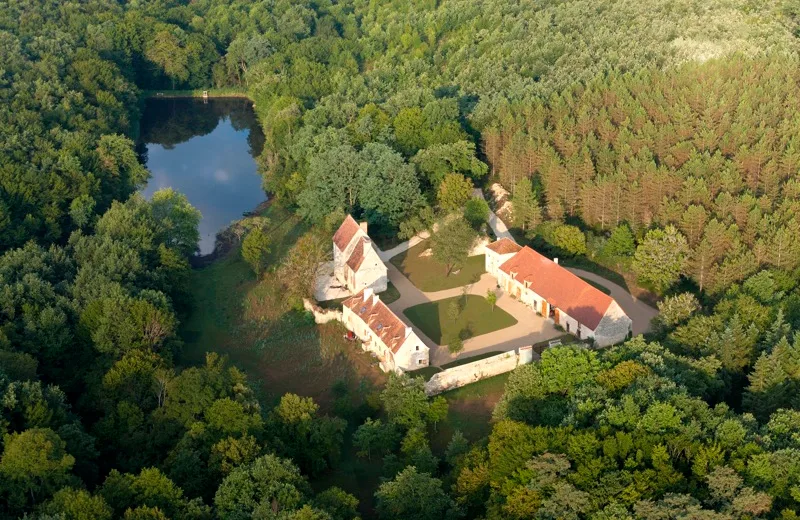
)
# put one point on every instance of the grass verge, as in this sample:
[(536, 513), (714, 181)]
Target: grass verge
[(584, 263), (426, 373)]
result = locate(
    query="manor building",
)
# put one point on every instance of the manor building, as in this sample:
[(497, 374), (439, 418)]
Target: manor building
[(396, 345), (555, 293), (356, 264)]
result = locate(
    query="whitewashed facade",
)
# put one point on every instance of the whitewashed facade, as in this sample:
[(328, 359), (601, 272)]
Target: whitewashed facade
[(396, 345), (554, 293), (356, 263)]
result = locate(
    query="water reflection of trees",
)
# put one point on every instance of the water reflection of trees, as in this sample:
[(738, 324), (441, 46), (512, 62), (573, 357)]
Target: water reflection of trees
[(169, 122)]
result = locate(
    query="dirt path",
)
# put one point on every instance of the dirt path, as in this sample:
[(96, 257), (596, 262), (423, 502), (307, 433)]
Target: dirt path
[(498, 226)]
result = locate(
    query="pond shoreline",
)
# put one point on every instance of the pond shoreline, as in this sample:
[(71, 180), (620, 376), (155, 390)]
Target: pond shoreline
[(187, 94), (225, 240), (208, 151)]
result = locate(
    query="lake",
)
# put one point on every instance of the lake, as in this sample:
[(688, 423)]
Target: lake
[(205, 150)]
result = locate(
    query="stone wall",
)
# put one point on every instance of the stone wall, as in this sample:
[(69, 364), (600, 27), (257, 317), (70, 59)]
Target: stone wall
[(463, 375), (322, 315), (613, 328)]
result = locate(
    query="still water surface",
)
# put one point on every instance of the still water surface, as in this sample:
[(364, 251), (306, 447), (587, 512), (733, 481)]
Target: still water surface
[(205, 151)]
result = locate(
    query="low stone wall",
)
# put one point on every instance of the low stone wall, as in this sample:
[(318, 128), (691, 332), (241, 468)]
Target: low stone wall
[(322, 315), (463, 375)]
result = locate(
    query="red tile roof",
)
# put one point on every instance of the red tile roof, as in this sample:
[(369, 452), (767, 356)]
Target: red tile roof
[(358, 254), (504, 246), (345, 233), (379, 318), (558, 286)]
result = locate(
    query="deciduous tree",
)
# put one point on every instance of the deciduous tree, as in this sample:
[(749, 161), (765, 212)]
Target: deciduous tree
[(412, 494), (452, 242), (453, 193), (661, 257)]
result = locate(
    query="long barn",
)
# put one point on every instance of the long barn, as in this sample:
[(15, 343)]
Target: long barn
[(555, 293)]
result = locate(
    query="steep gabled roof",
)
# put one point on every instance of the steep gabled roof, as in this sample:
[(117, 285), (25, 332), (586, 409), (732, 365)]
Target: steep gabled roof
[(345, 233), (558, 286), (379, 318), (504, 246), (358, 254)]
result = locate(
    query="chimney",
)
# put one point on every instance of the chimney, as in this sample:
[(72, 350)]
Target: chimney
[(375, 298), (363, 226), (408, 332), (367, 293), (555, 260)]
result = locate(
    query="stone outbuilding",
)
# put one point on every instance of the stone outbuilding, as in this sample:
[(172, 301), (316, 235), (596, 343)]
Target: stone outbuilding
[(356, 263), (396, 345), (554, 292)]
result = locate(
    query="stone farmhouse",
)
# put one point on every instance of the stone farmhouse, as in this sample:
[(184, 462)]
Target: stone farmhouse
[(556, 293), (356, 264), (381, 332)]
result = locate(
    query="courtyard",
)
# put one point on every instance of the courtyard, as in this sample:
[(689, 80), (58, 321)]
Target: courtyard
[(522, 329)]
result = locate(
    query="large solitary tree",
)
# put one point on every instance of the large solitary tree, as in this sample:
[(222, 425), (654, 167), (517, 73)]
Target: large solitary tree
[(452, 242)]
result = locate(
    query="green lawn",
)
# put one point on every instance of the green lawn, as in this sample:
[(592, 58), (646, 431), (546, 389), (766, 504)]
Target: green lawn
[(476, 318), (429, 275)]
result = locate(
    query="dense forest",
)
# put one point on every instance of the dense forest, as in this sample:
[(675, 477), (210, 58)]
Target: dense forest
[(654, 137)]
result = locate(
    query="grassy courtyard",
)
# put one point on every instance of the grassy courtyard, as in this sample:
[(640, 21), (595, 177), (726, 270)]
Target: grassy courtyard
[(475, 317), (429, 275)]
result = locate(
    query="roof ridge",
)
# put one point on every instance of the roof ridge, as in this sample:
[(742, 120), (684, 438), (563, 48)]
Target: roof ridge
[(563, 288)]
